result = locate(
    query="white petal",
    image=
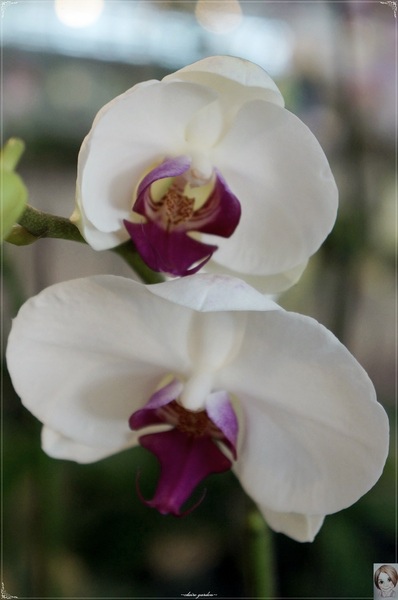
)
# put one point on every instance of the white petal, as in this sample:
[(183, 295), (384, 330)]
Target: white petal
[(205, 129), (131, 134), (216, 332), (302, 528), (59, 446), (209, 292), (231, 76), (266, 284), (83, 355), (97, 239), (279, 173), (314, 437)]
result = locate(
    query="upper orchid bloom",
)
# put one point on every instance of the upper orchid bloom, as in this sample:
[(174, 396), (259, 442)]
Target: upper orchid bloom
[(207, 374), (207, 163)]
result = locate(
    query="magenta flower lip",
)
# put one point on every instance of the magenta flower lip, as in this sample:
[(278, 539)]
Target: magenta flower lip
[(185, 461), (163, 241), (191, 450)]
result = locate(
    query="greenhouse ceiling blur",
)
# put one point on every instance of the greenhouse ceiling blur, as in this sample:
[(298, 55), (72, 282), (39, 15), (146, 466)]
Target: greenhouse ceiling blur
[(167, 34)]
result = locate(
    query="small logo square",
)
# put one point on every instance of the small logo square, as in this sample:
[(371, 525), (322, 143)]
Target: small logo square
[(385, 580)]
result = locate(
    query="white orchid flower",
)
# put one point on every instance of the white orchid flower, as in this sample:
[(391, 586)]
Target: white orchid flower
[(207, 374), (207, 163)]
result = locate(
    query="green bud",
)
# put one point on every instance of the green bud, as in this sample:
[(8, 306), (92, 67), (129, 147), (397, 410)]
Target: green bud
[(14, 194), (11, 153), (19, 236)]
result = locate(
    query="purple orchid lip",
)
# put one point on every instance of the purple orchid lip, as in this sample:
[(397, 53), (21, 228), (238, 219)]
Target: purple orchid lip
[(185, 461), (191, 449), (169, 253), (164, 241)]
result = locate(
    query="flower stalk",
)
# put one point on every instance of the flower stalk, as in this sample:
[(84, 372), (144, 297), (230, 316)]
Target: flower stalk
[(35, 224), (130, 255), (260, 564)]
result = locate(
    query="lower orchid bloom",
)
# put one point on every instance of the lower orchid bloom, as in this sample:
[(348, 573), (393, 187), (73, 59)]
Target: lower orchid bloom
[(208, 375), (207, 164)]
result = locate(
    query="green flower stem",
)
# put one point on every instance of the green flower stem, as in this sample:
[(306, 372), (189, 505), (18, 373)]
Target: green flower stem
[(132, 258), (35, 224), (260, 559), (43, 225)]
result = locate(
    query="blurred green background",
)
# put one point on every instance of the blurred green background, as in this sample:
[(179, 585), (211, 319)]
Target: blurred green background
[(81, 531)]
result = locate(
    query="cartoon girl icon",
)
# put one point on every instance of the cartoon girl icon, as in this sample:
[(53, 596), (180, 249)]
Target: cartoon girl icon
[(386, 579)]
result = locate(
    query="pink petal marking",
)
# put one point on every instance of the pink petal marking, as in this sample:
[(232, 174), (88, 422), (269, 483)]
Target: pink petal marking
[(221, 413), (149, 415), (171, 167)]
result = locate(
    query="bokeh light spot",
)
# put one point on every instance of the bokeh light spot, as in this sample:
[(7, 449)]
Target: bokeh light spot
[(218, 16), (78, 13)]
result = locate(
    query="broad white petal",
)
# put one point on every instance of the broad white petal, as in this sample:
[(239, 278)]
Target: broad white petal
[(302, 528), (83, 355), (314, 438), (279, 173), (96, 238), (236, 78), (217, 329), (266, 284), (205, 129), (58, 446), (208, 292), (134, 132)]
